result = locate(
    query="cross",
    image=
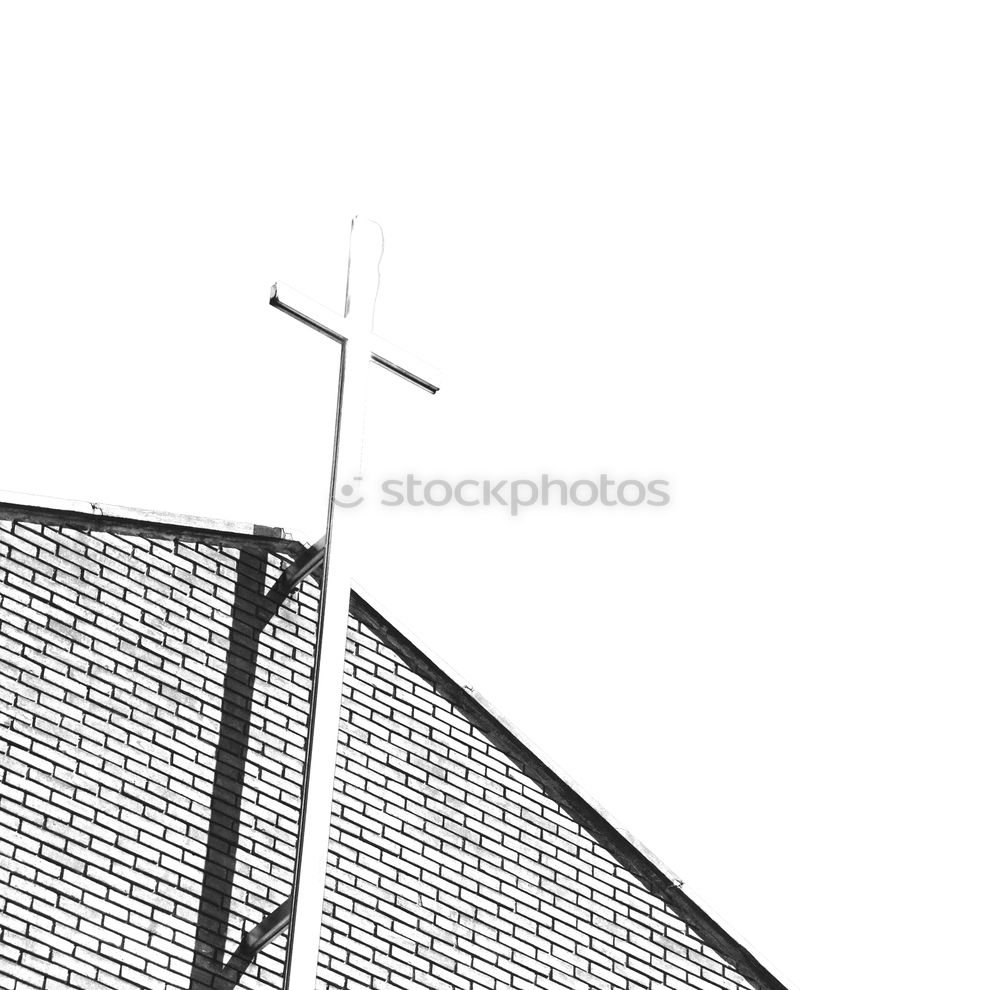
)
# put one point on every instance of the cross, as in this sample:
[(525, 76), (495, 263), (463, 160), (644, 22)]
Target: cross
[(359, 349)]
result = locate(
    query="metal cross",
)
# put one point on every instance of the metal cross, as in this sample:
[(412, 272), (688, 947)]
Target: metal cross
[(359, 348)]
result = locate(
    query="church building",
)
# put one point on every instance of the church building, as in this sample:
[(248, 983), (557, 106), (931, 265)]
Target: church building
[(155, 685)]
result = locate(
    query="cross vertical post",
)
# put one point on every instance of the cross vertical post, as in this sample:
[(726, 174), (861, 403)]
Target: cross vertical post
[(359, 348)]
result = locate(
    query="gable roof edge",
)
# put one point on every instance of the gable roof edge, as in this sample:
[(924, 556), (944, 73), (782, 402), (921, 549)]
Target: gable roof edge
[(626, 849), (42, 509)]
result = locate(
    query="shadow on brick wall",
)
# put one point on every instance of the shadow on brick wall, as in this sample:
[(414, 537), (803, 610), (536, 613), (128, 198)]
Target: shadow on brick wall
[(251, 613)]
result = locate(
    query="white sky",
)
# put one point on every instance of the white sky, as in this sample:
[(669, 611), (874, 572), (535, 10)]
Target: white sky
[(751, 248)]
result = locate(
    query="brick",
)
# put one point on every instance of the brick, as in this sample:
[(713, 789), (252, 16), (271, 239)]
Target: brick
[(449, 866)]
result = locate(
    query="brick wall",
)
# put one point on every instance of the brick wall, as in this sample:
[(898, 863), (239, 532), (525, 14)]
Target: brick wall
[(152, 729), (134, 690), (450, 867)]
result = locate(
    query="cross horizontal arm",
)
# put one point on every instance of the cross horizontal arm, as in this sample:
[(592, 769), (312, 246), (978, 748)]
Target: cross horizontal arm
[(332, 324), (310, 312), (404, 364)]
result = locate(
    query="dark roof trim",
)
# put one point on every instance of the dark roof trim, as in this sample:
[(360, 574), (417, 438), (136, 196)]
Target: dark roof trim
[(97, 517), (632, 858)]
